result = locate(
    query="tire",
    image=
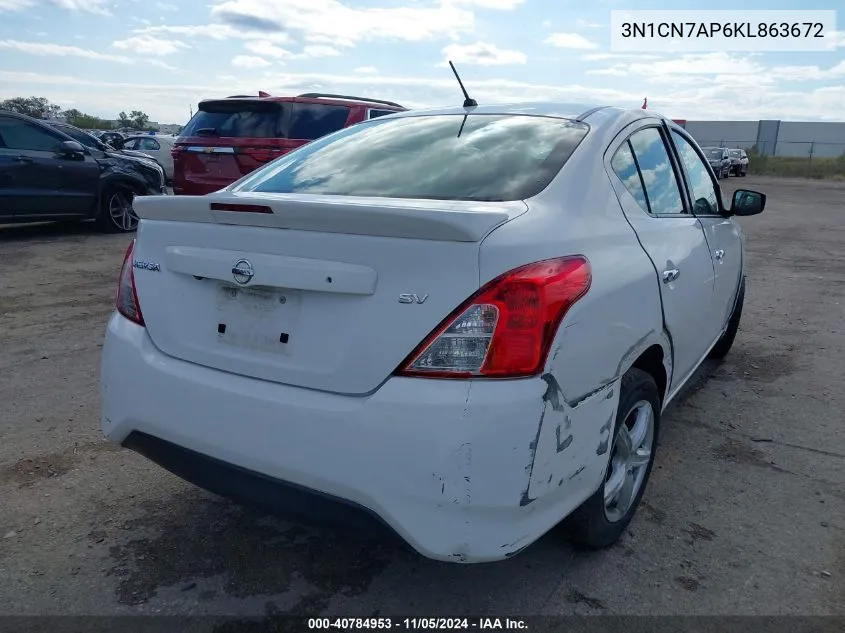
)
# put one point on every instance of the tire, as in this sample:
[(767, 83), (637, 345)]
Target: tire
[(744, 173), (116, 214), (595, 524), (724, 344)]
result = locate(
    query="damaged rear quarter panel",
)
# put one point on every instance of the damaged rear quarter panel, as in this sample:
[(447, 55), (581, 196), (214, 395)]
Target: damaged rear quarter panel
[(600, 337), (567, 464)]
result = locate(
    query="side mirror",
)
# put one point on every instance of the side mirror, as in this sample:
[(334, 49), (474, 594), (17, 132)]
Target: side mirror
[(71, 149), (747, 202)]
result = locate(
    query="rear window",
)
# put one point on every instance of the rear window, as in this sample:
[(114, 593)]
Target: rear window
[(239, 119), (442, 157), (310, 121), (375, 113)]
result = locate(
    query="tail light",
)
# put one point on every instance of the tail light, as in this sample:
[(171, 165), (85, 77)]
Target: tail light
[(127, 297), (505, 329), (176, 150)]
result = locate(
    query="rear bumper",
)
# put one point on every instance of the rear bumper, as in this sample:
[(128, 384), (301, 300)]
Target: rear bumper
[(446, 465), (255, 489)]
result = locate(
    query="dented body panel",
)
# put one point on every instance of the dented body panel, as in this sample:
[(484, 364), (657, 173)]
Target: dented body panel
[(446, 464)]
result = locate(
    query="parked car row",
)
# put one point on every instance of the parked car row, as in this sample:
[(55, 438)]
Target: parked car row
[(53, 171), (727, 162)]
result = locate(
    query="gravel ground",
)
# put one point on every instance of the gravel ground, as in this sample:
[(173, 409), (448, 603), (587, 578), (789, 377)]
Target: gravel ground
[(744, 514)]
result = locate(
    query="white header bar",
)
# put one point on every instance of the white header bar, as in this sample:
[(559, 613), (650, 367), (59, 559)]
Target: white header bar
[(668, 31)]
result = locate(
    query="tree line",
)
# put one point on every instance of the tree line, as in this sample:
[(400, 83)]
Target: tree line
[(42, 108)]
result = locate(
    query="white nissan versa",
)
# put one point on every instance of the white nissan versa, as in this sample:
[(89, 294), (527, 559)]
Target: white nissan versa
[(462, 324)]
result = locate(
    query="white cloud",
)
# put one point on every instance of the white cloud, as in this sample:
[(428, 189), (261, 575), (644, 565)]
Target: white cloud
[(587, 24), (482, 54), (214, 32), (37, 48), (166, 6), (599, 57), (320, 50), (491, 4), (546, 23), (160, 64), (99, 7), (704, 64), (808, 73), (148, 45), (15, 5), (365, 70), (266, 49), (570, 40), (838, 38), (335, 23), (250, 61)]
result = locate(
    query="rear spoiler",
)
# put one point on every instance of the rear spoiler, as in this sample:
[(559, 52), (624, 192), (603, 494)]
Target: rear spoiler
[(445, 220)]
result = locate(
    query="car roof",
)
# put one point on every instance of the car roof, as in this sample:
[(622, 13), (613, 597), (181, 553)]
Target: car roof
[(598, 116), (316, 97)]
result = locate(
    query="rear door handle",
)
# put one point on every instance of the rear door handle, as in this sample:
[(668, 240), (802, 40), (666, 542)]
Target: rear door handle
[(22, 159), (719, 254), (670, 275)]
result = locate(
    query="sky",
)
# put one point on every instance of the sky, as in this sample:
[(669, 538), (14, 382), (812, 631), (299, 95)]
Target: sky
[(162, 57)]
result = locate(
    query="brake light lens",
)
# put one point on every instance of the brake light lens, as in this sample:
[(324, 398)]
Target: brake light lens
[(504, 330), (176, 150), (127, 297)]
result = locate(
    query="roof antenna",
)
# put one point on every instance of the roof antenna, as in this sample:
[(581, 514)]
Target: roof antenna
[(468, 102)]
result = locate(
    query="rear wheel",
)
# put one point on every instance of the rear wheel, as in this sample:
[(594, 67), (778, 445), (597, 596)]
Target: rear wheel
[(116, 212), (724, 344), (602, 518)]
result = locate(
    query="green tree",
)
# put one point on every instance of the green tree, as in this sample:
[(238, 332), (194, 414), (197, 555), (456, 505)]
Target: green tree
[(86, 121), (36, 107), (140, 120)]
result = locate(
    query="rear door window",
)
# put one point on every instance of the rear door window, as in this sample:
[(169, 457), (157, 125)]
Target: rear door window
[(149, 144), (310, 121), (658, 177), (239, 119)]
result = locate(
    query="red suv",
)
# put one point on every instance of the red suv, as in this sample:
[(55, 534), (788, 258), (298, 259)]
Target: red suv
[(228, 138)]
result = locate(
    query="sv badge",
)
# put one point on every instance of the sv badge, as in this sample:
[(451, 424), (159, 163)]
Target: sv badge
[(412, 298)]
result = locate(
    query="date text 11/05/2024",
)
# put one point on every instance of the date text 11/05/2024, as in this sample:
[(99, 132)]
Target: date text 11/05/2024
[(412, 624)]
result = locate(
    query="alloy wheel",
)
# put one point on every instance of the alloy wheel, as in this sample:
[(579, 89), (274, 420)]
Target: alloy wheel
[(629, 460), (122, 214)]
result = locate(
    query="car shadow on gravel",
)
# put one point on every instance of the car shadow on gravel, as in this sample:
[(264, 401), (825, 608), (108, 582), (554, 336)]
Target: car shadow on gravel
[(46, 230), (198, 536)]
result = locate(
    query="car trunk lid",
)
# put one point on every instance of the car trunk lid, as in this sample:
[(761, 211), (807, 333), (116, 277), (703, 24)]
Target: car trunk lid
[(305, 290)]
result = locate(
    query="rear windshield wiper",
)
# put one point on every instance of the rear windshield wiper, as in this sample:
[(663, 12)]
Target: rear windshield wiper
[(206, 131)]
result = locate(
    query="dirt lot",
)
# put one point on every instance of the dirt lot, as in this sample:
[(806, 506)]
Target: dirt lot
[(745, 513)]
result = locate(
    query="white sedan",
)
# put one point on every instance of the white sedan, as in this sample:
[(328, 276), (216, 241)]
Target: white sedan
[(460, 324), (158, 147)]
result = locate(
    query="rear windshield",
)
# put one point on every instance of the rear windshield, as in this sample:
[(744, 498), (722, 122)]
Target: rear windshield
[(714, 153), (240, 119), (442, 157), (736, 153)]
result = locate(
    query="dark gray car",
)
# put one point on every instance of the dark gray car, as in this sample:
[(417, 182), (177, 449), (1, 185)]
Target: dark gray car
[(739, 162), (46, 174), (719, 159)]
